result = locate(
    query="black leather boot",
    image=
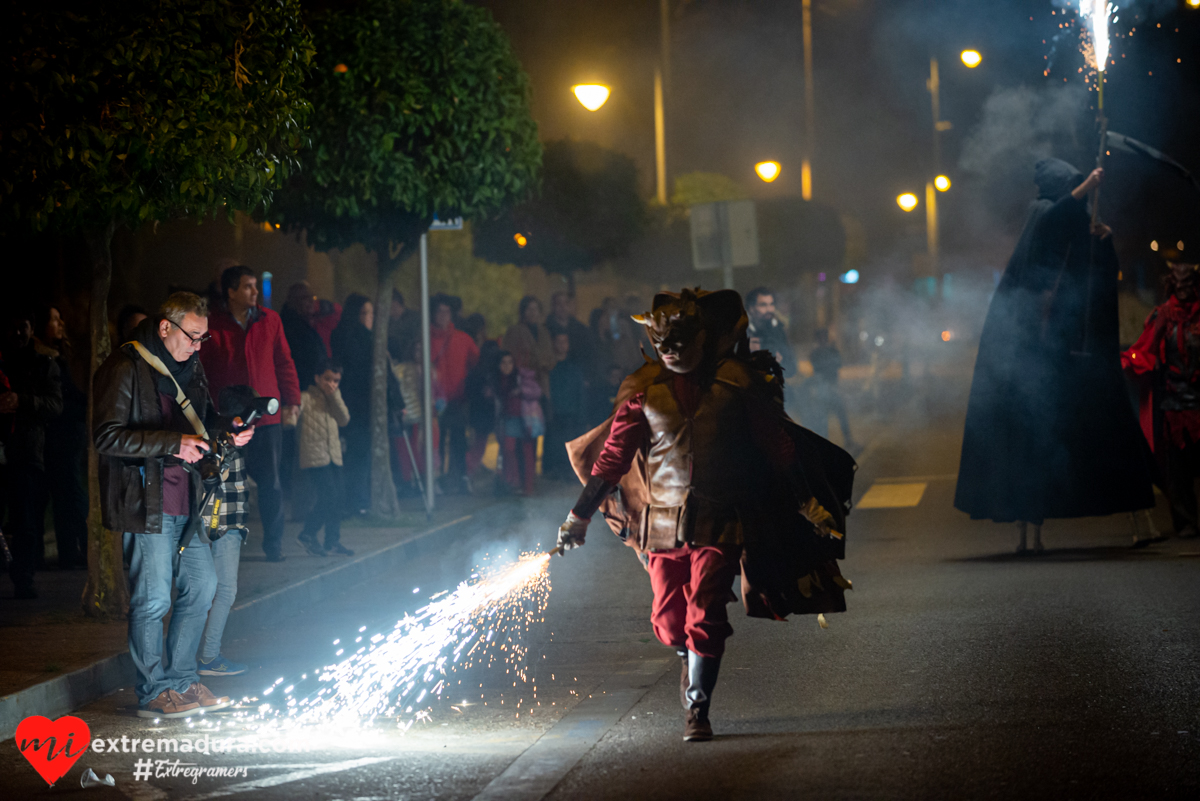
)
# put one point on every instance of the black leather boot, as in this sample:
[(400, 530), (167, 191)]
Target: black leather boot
[(702, 679)]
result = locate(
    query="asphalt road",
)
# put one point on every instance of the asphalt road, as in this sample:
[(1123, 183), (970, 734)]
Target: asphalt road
[(960, 671)]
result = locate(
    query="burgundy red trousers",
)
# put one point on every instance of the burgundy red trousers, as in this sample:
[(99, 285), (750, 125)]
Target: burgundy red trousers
[(691, 588)]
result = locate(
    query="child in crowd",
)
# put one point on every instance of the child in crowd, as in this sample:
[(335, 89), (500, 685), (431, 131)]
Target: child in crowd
[(410, 376), (520, 422), (322, 413)]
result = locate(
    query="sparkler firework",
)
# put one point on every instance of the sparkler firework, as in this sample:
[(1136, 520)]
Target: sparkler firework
[(1097, 12), (394, 676)]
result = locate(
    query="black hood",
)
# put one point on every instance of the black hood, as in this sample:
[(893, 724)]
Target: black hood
[(1055, 178)]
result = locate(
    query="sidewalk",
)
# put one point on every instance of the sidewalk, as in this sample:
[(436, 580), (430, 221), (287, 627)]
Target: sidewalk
[(55, 659)]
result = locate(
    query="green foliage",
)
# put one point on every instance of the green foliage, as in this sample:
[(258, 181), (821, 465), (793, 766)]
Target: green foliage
[(493, 290), (589, 210), (147, 109), (694, 188), (421, 109)]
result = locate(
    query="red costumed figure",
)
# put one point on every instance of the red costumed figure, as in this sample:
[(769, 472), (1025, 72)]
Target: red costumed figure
[(702, 473), (1166, 362)]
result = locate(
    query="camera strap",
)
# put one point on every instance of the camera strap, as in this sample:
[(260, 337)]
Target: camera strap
[(180, 397), (190, 413)]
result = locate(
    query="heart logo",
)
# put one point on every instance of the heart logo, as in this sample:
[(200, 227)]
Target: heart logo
[(53, 746)]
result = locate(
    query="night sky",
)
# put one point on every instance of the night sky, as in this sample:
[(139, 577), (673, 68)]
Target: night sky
[(737, 98)]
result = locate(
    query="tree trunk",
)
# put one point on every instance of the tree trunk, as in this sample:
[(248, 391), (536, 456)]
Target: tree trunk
[(384, 502), (106, 594)]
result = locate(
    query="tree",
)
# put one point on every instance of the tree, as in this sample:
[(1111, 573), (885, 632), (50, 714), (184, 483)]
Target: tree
[(588, 210), (138, 112), (421, 109)]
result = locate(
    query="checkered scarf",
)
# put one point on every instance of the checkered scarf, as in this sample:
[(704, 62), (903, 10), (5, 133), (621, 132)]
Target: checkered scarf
[(230, 501)]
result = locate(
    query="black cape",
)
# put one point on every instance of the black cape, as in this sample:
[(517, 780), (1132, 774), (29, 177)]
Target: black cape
[(1050, 430)]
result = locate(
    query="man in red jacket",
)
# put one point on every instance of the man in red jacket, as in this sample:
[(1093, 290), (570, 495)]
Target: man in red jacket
[(453, 354), (248, 346)]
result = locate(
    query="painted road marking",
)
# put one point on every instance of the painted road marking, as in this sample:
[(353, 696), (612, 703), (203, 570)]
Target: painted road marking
[(892, 496), (911, 479), (544, 764)]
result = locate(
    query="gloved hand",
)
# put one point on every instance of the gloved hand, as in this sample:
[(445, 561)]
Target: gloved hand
[(571, 534), (820, 518)]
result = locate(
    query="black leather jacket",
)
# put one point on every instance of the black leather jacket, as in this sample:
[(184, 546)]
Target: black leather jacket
[(132, 440)]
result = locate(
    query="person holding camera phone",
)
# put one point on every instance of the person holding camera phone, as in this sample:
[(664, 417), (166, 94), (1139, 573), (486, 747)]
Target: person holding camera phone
[(151, 402)]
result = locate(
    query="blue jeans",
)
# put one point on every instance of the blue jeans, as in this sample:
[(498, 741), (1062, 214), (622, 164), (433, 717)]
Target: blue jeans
[(226, 555), (151, 571)]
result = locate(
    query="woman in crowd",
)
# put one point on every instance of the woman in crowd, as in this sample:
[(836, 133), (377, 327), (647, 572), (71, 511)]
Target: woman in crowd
[(520, 422), (352, 345), (528, 340), (66, 447)]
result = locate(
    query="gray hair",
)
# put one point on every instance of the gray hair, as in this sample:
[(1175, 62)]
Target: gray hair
[(180, 304)]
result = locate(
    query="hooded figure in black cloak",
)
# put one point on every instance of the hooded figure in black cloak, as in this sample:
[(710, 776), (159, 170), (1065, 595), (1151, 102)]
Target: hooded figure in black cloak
[(1050, 431)]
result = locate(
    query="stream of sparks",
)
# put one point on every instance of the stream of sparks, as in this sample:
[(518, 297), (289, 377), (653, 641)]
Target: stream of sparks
[(391, 678), (1097, 12)]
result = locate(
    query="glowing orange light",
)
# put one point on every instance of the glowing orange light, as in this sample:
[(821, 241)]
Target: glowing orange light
[(520, 240), (971, 58), (908, 201), (591, 95), (340, 68), (1154, 245), (947, 336), (767, 170), (942, 183)]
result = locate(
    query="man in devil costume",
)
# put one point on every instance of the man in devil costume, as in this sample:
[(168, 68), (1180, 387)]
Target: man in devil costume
[(1165, 361), (702, 473), (1050, 432)]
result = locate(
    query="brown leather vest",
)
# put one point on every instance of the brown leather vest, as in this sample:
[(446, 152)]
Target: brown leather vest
[(701, 468)]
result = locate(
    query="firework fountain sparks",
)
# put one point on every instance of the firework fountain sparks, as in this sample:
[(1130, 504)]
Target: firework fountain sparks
[(1097, 13), (391, 678)]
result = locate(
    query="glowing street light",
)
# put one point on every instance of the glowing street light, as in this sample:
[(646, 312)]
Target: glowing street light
[(942, 183), (591, 95), (1194, 3), (972, 58), (908, 201), (767, 170), (520, 239)]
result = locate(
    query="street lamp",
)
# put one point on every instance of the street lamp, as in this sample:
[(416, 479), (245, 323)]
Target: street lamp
[(972, 58), (767, 170), (591, 95), (908, 201), (942, 183)]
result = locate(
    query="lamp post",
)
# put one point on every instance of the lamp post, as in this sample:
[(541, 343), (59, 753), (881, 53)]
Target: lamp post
[(971, 59), (593, 96)]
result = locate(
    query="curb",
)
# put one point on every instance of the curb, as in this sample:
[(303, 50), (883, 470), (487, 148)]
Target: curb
[(64, 694)]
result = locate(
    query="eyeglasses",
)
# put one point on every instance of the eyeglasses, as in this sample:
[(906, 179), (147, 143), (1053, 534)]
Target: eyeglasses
[(194, 340)]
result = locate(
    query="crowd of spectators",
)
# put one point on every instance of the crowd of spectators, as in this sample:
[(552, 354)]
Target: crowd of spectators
[(546, 381)]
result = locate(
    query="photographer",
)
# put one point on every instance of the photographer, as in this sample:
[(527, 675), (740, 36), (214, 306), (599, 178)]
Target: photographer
[(151, 401)]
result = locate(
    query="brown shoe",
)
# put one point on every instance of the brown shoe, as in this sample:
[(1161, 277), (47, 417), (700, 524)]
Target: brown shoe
[(169, 704), (697, 729), (203, 696)]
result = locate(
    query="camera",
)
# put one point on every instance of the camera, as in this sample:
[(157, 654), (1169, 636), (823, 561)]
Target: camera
[(237, 401)]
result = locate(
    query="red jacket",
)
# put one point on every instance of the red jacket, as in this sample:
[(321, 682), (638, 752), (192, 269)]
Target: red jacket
[(1149, 353), (258, 356), (453, 354)]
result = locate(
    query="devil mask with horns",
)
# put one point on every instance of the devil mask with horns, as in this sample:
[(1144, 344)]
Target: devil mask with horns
[(694, 326)]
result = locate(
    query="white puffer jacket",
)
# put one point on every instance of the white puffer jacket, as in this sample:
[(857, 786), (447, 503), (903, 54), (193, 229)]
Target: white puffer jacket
[(321, 416)]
